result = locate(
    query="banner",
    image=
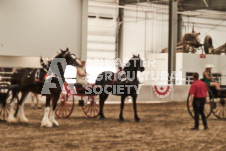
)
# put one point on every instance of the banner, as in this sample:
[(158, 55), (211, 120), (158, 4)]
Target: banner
[(162, 91)]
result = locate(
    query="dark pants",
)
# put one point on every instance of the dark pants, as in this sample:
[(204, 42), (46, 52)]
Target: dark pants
[(198, 105)]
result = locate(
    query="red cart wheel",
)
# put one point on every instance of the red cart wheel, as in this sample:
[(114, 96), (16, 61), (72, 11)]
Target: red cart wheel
[(5, 100), (91, 107), (65, 106), (5, 107)]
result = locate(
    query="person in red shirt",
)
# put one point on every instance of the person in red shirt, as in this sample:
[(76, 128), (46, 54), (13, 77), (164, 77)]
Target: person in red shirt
[(198, 94)]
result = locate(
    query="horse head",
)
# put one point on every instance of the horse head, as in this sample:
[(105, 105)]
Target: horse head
[(70, 58), (135, 64)]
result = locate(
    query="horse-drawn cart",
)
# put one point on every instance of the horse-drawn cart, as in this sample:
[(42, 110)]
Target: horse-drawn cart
[(88, 102), (216, 103)]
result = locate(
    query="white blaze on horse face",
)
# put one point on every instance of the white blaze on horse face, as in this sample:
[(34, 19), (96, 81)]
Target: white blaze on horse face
[(78, 61), (11, 118), (45, 120)]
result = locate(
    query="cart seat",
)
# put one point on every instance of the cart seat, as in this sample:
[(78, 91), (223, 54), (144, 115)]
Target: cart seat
[(222, 89), (221, 93), (79, 88)]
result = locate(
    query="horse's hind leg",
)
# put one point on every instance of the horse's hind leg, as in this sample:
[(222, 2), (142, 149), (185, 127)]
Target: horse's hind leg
[(122, 106), (103, 97), (45, 121), (135, 108), (11, 118), (20, 115), (52, 111)]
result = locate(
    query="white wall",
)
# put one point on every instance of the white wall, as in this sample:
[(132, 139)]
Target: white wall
[(193, 63), (41, 27), (18, 61), (185, 62), (157, 69), (145, 29), (102, 32)]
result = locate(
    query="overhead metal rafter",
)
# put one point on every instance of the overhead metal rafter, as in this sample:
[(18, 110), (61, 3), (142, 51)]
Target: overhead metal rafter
[(203, 13), (185, 5)]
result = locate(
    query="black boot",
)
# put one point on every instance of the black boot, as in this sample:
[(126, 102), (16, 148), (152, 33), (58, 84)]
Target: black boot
[(205, 127), (195, 128)]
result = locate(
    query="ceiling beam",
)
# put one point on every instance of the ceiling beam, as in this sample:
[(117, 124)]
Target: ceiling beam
[(141, 1), (185, 5)]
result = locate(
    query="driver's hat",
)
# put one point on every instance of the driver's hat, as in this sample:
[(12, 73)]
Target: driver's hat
[(209, 66)]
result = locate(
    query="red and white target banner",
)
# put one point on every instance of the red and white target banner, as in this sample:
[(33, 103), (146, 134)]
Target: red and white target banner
[(162, 91)]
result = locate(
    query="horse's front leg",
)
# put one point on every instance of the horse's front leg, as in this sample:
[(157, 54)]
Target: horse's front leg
[(52, 111), (103, 97), (122, 107), (135, 108), (45, 121)]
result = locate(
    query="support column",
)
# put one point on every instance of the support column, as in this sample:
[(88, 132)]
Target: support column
[(172, 36), (119, 33), (179, 27), (84, 28)]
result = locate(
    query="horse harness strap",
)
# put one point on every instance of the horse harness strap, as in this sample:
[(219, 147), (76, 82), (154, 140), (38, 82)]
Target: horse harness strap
[(123, 78), (37, 75)]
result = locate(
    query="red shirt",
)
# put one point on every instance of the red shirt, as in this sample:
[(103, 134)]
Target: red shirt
[(199, 89)]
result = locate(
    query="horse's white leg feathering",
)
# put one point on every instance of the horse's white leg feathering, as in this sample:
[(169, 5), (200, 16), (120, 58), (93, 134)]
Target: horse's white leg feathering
[(52, 118), (11, 118), (21, 117), (45, 120)]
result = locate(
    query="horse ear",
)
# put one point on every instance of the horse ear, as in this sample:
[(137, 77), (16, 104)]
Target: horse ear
[(133, 55), (138, 55), (67, 49), (61, 50)]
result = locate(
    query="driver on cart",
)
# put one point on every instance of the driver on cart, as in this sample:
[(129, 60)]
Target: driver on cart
[(81, 74), (208, 77)]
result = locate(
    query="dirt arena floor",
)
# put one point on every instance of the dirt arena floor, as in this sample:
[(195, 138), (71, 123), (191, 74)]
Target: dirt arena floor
[(162, 127)]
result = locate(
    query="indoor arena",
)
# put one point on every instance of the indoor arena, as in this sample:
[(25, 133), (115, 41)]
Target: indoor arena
[(113, 75)]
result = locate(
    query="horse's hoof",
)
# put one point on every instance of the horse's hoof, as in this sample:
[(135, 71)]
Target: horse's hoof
[(46, 123), (121, 120), (55, 123), (137, 120), (12, 120), (102, 118), (23, 120)]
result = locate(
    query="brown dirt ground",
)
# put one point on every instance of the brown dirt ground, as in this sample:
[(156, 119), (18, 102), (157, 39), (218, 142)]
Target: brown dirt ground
[(162, 127)]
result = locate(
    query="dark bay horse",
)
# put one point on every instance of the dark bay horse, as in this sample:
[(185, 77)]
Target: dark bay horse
[(124, 83), (28, 80)]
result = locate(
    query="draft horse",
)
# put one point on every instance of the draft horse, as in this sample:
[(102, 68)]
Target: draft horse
[(32, 80), (124, 83)]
